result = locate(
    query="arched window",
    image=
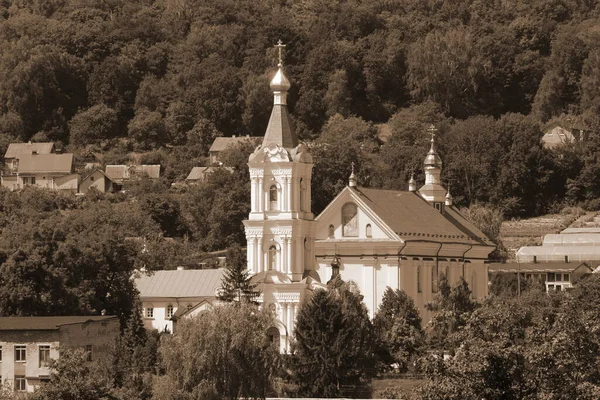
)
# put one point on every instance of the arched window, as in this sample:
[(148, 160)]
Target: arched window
[(302, 194), (169, 311), (369, 231), (272, 258), (350, 220), (331, 232), (419, 279), (273, 198), (273, 334)]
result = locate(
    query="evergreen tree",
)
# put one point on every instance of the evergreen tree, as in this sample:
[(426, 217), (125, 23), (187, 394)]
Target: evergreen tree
[(452, 308), (236, 284), (398, 330), (333, 351)]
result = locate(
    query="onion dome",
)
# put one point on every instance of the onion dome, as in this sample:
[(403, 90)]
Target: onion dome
[(448, 198), (352, 181), (280, 82), (412, 184), (433, 159)]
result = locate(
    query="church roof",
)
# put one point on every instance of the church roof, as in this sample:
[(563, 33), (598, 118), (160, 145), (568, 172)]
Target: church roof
[(412, 218), (279, 130)]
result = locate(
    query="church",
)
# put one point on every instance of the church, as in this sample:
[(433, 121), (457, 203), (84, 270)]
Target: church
[(374, 238)]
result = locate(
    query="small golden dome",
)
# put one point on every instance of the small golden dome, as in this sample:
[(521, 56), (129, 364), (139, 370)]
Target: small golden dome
[(280, 82)]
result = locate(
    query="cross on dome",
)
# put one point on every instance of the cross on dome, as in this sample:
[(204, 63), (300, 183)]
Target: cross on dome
[(352, 181), (280, 46), (432, 130)]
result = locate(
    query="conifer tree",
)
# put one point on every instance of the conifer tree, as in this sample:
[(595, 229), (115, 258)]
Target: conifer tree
[(452, 308), (236, 284), (333, 351), (398, 330)]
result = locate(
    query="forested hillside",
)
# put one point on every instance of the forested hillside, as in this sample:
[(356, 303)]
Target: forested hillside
[(170, 75)]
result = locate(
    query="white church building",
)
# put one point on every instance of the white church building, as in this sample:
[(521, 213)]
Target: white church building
[(375, 238)]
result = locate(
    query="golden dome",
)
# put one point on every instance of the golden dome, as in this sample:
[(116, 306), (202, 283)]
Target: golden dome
[(280, 82)]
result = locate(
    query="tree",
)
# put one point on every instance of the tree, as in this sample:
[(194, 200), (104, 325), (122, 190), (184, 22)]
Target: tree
[(531, 347), (226, 348), (148, 130), (93, 125), (333, 351), (452, 308), (236, 284), (73, 378), (397, 326)]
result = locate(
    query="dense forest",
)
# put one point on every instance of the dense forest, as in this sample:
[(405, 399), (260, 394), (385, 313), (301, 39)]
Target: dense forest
[(165, 77)]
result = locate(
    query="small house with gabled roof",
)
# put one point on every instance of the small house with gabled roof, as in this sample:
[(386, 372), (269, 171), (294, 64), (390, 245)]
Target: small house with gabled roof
[(562, 132), (50, 171), (167, 294), (222, 143), (98, 180)]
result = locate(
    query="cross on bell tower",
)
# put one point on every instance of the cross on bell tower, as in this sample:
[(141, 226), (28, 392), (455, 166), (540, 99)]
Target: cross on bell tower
[(280, 46)]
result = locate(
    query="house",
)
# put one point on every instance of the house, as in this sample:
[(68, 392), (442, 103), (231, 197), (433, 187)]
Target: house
[(121, 174), (561, 132), (167, 295), (27, 343), (92, 160), (373, 238), (50, 171), (199, 174), (222, 143), (17, 149), (556, 276), (98, 180)]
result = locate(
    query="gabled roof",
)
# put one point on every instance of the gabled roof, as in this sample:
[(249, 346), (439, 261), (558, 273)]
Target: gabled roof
[(47, 323), (120, 172), (180, 283), (222, 143), (196, 173), (568, 125), (412, 218), (93, 172), (199, 173), (15, 149), (48, 163)]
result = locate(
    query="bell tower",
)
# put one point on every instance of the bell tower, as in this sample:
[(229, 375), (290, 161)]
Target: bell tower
[(279, 227)]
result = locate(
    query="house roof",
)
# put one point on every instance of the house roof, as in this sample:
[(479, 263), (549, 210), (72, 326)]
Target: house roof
[(412, 218), (568, 125), (196, 173), (180, 283), (49, 163), (536, 267), (93, 172), (15, 149), (47, 323), (120, 172), (221, 143)]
